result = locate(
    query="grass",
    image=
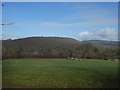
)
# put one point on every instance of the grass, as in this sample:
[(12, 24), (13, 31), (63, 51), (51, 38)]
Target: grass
[(60, 73)]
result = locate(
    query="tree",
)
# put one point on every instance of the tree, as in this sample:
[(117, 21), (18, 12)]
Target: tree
[(86, 50), (19, 52), (4, 55)]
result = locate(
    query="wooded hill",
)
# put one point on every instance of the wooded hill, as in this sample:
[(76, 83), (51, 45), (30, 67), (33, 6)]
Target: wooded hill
[(58, 47)]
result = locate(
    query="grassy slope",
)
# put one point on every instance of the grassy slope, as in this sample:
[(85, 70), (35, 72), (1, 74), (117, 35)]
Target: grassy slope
[(59, 73)]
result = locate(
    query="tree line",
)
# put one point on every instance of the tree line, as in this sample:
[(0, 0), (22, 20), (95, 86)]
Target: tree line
[(82, 51)]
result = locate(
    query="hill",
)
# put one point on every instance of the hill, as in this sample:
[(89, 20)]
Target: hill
[(102, 42), (35, 43), (40, 46), (57, 47)]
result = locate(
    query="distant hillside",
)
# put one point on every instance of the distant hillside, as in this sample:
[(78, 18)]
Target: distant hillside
[(59, 47), (42, 42), (39, 47), (102, 42)]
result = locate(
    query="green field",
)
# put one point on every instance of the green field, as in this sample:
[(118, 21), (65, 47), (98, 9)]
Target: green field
[(60, 73)]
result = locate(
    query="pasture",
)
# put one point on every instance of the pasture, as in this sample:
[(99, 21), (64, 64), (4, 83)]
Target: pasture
[(59, 73)]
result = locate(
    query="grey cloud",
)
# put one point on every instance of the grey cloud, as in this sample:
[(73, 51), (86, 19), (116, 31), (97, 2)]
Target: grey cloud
[(103, 34)]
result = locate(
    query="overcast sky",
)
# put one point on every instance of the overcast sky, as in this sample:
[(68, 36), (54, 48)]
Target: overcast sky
[(83, 21)]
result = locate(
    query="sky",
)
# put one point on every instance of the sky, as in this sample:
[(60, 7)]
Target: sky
[(79, 20), (61, 0)]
